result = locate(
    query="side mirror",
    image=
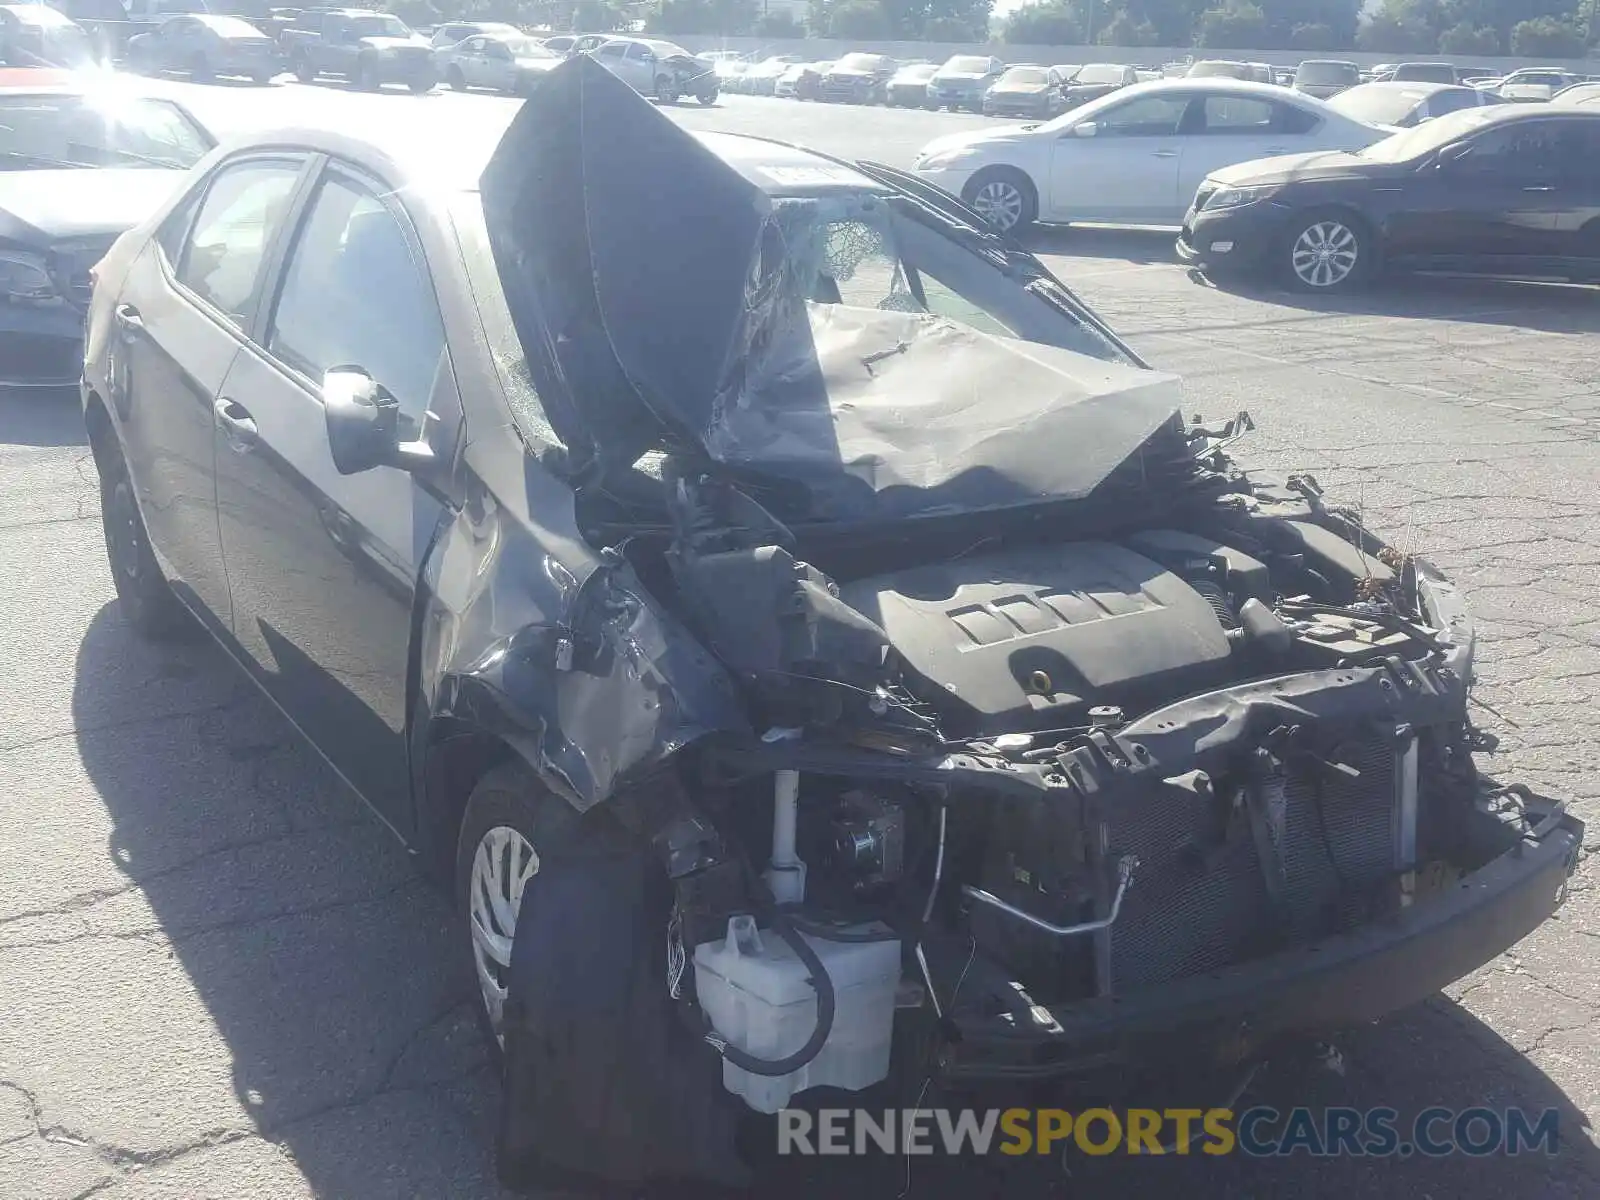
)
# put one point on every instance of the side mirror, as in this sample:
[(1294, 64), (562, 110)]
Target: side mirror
[(363, 421), (1086, 129), (1451, 154)]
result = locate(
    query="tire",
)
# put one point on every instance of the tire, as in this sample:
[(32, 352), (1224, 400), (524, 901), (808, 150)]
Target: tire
[(707, 99), (510, 798), (456, 80), (303, 70), (421, 86), (1005, 196), (666, 89), (262, 78), (366, 75), (1327, 251), (200, 70), (143, 593)]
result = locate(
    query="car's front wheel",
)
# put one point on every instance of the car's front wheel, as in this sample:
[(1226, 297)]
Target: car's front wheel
[(143, 593), (303, 70), (456, 80), (1003, 196), (1327, 251), (666, 89)]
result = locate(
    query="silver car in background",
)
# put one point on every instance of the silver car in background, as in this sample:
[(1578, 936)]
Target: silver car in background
[(510, 63)]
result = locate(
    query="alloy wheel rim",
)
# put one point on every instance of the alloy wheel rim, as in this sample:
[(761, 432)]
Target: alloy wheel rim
[(999, 203), (501, 868), (125, 538), (1325, 254)]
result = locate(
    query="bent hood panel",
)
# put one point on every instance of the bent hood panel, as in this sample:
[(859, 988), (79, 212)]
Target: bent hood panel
[(628, 299), (683, 314)]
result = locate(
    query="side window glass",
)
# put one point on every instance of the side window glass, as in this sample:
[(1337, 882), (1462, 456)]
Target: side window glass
[(175, 229), (615, 50), (1237, 115), (241, 214), (355, 293), (1148, 116), (1513, 152), (1287, 118)]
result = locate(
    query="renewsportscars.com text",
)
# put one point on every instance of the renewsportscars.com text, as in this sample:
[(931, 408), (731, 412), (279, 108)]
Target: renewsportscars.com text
[(1258, 1132)]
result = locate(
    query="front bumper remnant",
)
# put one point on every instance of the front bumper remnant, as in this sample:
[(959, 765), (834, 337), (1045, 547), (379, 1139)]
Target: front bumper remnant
[(1230, 1015)]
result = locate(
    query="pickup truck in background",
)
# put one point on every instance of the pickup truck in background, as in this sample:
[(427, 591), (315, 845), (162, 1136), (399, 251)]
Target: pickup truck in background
[(368, 48)]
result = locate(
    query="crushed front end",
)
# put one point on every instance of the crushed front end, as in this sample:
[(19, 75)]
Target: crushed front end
[(1068, 743)]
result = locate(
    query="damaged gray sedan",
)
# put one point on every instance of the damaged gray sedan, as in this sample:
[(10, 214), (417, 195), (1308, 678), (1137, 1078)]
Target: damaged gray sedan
[(814, 648)]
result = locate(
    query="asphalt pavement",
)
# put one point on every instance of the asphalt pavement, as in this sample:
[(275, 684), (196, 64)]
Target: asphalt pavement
[(219, 977)]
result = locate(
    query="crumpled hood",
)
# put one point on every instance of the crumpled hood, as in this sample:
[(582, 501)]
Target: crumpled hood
[(38, 207), (671, 315)]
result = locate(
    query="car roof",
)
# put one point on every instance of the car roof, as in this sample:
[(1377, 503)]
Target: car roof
[(1427, 86), (777, 168), (1216, 83)]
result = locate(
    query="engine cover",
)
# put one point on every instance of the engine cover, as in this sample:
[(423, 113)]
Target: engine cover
[(1030, 639)]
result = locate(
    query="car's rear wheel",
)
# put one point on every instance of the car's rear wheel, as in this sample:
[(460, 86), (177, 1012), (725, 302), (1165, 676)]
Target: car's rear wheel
[(1003, 196), (262, 77), (421, 84), (143, 593), (200, 70), (303, 70), (456, 80), (666, 89), (367, 78), (1327, 251)]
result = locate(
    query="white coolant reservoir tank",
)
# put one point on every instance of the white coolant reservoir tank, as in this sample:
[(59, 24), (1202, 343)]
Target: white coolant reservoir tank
[(755, 990)]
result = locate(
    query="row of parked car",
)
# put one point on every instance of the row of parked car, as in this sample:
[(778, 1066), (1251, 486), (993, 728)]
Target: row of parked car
[(1320, 193)]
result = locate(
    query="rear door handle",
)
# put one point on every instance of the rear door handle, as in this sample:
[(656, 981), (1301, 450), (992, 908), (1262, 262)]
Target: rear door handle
[(1166, 154), (237, 424), (128, 316), (1541, 187), (1275, 150)]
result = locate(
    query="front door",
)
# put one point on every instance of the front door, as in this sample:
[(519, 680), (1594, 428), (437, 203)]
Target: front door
[(178, 326), (1127, 172), (1225, 129), (1494, 202), (323, 566)]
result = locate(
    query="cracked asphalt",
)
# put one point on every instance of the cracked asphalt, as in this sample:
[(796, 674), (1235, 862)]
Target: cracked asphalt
[(220, 977)]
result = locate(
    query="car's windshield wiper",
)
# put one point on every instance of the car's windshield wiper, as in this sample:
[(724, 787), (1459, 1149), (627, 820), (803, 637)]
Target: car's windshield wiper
[(41, 162)]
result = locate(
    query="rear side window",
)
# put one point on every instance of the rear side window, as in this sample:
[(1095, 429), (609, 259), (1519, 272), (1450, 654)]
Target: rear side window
[(1237, 115), (243, 210), (356, 293), (1290, 119)]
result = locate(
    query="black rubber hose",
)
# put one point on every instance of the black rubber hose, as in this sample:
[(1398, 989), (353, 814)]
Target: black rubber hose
[(819, 1035)]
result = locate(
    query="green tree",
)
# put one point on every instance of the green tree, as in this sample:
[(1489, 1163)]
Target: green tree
[(1127, 30), (728, 17), (1241, 27), (956, 29), (863, 19), (1469, 39), (1339, 17), (1317, 36), (1402, 27), (1548, 37), (1054, 23), (779, 25)]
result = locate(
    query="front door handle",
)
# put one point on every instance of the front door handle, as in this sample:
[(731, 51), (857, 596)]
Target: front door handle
[(237, 424), (1166, 154), (1275, 150), (128, 317), (1539, 187)]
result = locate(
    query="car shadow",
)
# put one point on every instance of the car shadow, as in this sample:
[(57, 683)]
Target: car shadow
[(333, 1007), (1141, 246), (41, 417), (1547, 307)]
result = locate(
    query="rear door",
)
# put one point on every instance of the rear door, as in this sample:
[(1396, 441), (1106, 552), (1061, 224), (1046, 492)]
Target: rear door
[(1128, 171), (180, 320), (1226, 128), (323, 566)]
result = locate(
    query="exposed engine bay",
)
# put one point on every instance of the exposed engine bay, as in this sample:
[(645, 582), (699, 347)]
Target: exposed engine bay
[(1055, 769)]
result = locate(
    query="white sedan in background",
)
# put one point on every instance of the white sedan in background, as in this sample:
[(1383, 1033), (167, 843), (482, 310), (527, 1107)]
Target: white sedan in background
[(1134, 157)]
